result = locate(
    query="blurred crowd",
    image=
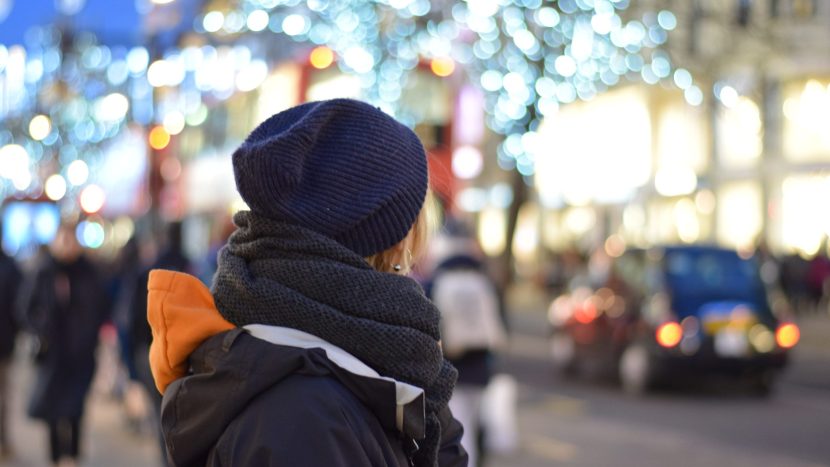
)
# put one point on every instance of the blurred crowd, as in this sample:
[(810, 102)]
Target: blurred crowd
[(66, 303), (73, 312)]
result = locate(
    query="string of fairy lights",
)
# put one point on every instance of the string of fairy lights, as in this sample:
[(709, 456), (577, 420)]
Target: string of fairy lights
[(66, 96)]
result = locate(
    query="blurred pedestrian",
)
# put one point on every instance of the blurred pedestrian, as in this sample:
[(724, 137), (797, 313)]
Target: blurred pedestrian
[(9, 284), (171, 257), (65, 305), (472, 330), (313, 347)]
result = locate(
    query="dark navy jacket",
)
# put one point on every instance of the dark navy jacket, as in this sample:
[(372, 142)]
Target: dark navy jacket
[(248, 402)]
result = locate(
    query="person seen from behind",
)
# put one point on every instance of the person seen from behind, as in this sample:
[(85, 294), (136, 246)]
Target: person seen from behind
[(65, 304), (472, 327), (312, 347), (10, 278)]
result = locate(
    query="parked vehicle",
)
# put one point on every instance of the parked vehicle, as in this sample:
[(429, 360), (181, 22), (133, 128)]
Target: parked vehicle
[(667, 312)]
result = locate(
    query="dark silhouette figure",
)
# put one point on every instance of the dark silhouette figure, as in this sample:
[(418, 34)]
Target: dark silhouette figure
[(65, 305), (9, 285)]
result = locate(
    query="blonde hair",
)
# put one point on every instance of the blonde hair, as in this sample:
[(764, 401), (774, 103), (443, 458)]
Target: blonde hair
[(408, 250)]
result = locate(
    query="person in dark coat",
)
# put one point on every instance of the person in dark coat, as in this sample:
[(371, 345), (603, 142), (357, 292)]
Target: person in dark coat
[(313, 346), (65, 305), (9, 284)]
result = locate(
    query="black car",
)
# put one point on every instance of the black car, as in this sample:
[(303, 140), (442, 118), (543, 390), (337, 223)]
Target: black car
[(667, 312)]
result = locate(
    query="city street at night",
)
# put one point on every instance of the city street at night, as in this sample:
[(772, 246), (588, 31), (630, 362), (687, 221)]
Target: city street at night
[(577, 422)]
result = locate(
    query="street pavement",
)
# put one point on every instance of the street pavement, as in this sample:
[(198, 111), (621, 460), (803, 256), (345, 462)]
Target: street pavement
[(561, 422)]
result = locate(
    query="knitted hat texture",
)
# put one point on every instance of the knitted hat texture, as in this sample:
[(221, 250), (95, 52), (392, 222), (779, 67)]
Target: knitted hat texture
[(340, 167)]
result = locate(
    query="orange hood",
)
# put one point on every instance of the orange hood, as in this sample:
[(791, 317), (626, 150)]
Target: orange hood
[(182, 314)]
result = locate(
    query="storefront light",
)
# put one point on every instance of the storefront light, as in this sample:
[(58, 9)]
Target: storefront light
[(491, 231), (675, 181), (686, 221)]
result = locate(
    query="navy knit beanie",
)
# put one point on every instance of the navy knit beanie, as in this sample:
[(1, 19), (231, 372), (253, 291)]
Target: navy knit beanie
[(339, 167)]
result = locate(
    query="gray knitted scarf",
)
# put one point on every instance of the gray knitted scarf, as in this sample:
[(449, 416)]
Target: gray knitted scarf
[(283, 275)]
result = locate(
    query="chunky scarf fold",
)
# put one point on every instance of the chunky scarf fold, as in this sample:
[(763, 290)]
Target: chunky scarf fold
[(285, 275)]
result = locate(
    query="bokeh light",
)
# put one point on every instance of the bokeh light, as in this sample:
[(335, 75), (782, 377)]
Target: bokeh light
[(55, 187), (321, 57), (442, 66), (39, 127), (92, 199), (159, 138), (77, 173)]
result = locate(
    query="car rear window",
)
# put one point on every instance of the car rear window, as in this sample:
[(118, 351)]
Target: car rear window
[(699, 276)]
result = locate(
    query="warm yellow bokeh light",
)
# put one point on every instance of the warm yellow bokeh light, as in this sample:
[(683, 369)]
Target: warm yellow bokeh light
[(159, 138), (321, 57), (442, 66)]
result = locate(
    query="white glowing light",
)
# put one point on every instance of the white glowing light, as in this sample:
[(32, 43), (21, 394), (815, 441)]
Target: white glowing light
[(213, 21), (565, 65), (159, 73), (358, 59), (39, 127), (675, 181), (483, 8), (252, 75), (137, 60), (258, 20), (92, 199), (14, 160), (174, 122), (111, 108), (467, 162), (294, 25), (77, 172), (728, 96), (22, 179), (55, 187)]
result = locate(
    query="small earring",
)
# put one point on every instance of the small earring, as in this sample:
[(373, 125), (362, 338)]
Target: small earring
[(397, 267)]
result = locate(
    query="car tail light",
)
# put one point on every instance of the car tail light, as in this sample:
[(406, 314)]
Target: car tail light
[(586, 313), (669, 334), (787, 335)]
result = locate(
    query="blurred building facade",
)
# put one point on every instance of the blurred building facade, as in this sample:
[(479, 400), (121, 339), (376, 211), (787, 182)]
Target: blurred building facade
[(712, 134)]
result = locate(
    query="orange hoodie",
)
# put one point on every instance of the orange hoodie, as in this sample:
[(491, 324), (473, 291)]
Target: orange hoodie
[(182, 315)]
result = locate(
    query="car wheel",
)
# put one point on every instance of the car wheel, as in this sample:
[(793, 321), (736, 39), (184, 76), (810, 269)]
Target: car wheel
[(636, 369), (563, 353)]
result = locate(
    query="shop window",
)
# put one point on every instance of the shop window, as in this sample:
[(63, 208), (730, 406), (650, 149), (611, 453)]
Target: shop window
[(739, 133), (806, 113)]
